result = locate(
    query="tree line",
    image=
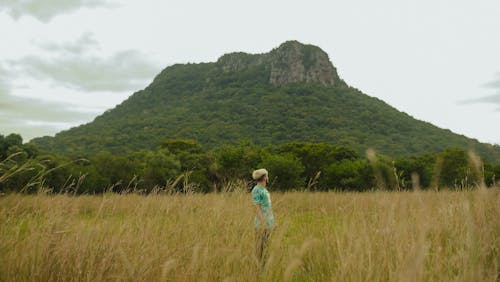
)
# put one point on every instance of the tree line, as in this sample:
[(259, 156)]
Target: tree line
[(184, 165)]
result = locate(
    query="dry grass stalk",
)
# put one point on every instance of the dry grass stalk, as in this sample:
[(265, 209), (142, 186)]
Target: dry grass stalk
[(378, 236)]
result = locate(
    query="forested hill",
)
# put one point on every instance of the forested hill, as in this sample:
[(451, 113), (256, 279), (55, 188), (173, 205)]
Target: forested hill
[(292, 93)]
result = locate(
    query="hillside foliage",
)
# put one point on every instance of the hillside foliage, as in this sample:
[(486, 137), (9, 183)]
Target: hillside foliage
[(231, 100)]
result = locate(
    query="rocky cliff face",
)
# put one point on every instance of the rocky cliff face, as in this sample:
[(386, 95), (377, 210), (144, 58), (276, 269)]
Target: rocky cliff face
[(292, 62), (238, 61)]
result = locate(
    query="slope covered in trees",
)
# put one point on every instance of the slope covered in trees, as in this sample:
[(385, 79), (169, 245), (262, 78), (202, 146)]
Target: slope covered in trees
[(292, 93)]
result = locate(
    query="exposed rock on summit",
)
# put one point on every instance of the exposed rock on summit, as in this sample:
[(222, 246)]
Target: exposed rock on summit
[(292, 62), (238, 61)]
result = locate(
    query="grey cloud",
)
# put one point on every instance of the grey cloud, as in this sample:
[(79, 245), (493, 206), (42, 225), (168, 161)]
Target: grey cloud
[(493, 99), (490, 99), (30, 130), (32, 117), (45, 10), (124, 71), (86, 42), (495, 84), (4, 81), (20, 108), (27, 131)]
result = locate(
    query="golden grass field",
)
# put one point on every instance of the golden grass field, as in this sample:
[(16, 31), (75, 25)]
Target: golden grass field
[(330, 236)]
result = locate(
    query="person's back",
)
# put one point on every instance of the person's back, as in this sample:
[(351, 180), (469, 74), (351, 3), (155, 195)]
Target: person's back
[(261, 196), (264, 217)]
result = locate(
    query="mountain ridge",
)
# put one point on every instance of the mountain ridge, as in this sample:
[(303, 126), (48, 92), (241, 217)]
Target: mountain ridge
[(292, 93)]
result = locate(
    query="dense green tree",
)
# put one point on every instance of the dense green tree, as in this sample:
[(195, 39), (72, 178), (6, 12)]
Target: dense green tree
[(317, 157), (496, 174), (285, 171), (118, 170), (488, 171), (237, 162), (13, 139), (56, 174), (160, 166), (178, 146), (422, 165), (3, 147), (350, 175), (386, 175), (455, 171)]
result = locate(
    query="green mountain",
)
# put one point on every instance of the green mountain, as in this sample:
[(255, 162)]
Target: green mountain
[(292, 93)]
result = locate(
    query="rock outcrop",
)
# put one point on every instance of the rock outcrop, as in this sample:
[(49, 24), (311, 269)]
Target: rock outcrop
[(292, 62)]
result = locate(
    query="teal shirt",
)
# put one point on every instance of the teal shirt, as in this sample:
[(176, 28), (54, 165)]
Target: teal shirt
[(261, 196)]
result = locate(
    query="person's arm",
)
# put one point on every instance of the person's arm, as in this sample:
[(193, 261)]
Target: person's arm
[(260, 215)]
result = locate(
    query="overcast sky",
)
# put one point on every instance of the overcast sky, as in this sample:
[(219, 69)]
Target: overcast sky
[(63, 62)]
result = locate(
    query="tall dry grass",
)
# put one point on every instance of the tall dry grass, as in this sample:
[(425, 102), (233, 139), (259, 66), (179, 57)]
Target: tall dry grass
[(379, 236)]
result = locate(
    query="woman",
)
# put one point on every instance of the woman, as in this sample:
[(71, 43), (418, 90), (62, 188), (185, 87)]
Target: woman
[(264, 218)]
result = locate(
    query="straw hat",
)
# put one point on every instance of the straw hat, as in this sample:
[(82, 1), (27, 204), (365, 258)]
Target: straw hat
[(259, 173)]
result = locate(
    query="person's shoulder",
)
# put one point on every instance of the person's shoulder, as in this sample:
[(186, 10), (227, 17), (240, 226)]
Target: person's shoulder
[(256, 189)]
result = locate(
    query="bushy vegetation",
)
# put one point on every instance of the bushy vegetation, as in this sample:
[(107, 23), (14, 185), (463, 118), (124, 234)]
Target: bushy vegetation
[(379, 236), (231, 100), (185, 165)]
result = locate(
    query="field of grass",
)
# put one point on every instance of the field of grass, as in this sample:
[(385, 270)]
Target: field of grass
[(377, 236)]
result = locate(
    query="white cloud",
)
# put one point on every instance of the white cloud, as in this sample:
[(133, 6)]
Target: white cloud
[(45, 10), (74, 65)]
